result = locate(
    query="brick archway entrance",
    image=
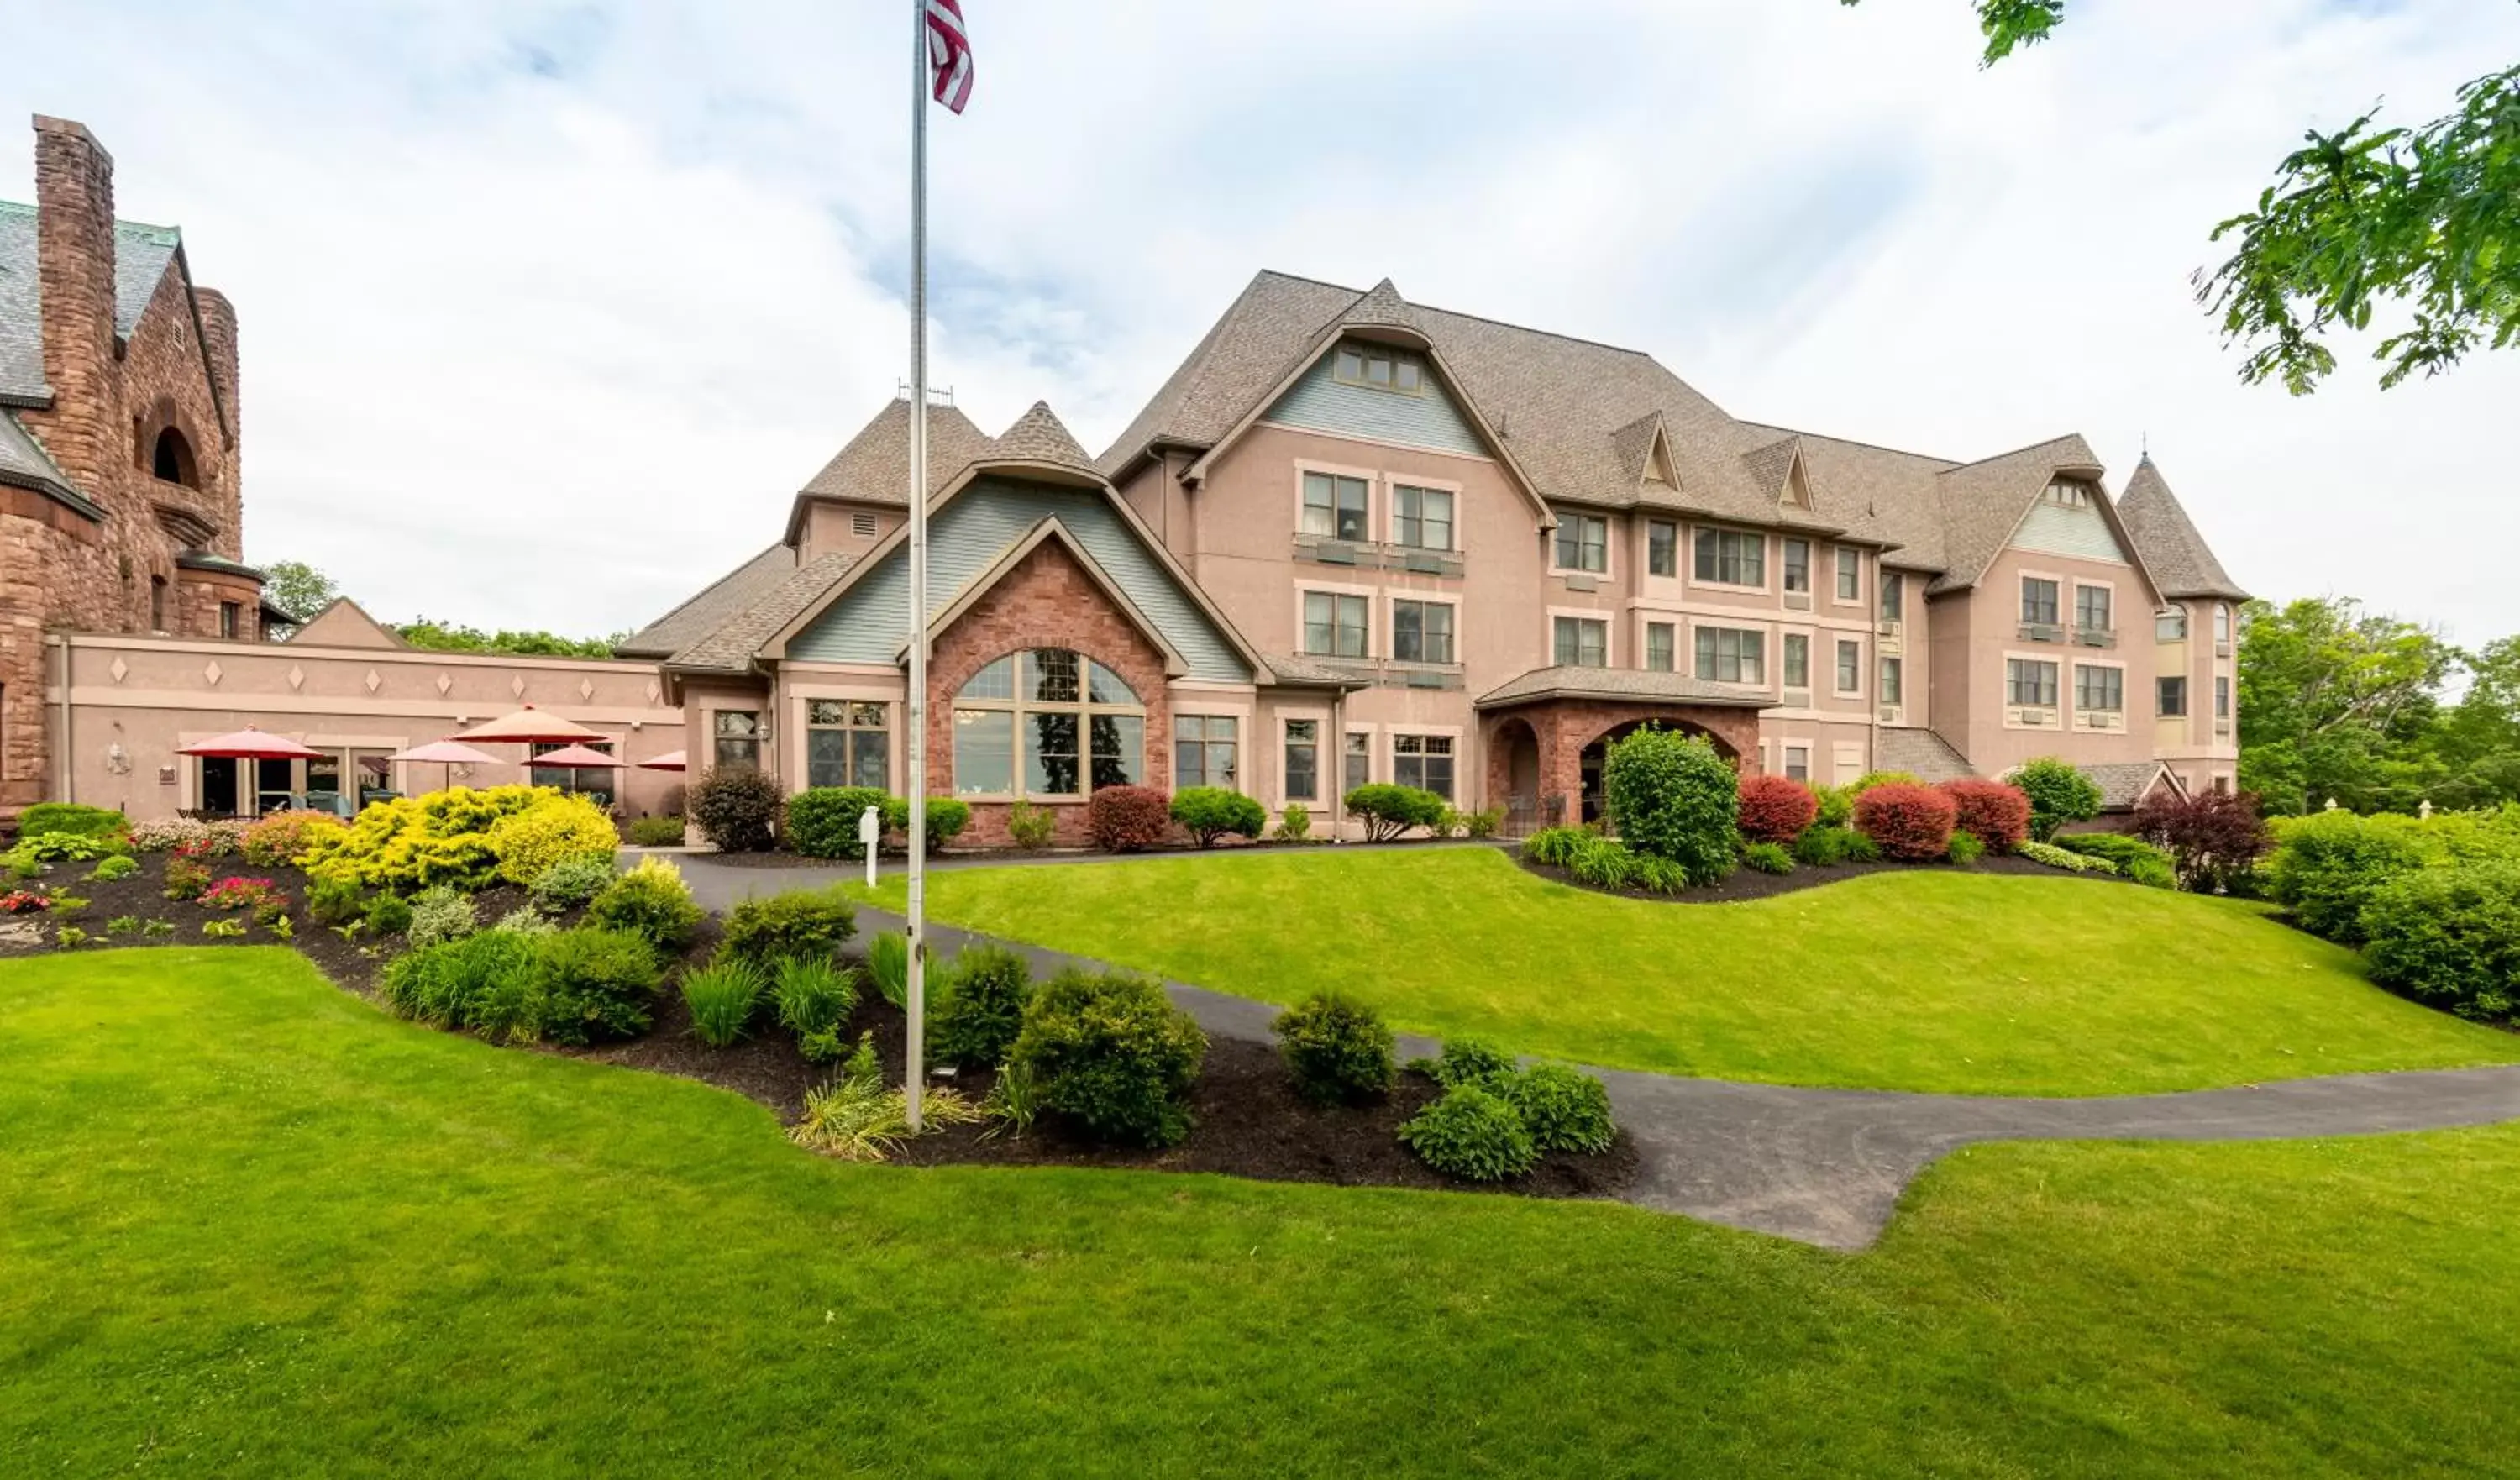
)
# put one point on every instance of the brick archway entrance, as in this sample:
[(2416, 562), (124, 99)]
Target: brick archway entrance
[(1542, 745)]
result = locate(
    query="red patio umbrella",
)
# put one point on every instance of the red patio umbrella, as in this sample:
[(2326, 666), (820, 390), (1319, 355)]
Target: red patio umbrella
[(447, 753), (671, 760), (574, 758), (252, 745), (530, 726)]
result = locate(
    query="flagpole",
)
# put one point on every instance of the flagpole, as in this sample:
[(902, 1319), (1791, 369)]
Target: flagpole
[(913, 1077)]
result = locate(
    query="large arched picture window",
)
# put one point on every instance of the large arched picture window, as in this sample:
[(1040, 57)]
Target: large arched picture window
[(1061, 721)]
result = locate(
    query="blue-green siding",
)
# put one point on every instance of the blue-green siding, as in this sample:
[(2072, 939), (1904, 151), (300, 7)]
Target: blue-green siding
[(2057, 530), (1319, 402), (870, 622)]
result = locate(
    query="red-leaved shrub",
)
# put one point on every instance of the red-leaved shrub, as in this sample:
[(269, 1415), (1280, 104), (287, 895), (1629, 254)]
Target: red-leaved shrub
[(1775, 809), (1996, 814), (1907, 820), (1126, 819)]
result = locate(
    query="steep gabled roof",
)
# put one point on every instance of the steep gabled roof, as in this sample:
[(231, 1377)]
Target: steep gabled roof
[(1050, 531), (2166, 540), (730, 645), (1982, 502), (875, 467), (704, 613), (1039, 436), (1898, 493), (345, 624), (142, 253)]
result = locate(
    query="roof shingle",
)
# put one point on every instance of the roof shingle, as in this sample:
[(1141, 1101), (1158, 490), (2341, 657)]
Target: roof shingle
[(704, 613), (2166, 542)]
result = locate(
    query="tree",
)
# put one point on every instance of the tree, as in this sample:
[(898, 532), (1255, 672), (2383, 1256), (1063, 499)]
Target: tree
[(2336, 703), (2425, 218), (2475, 745), (438, 637), (298, 589), (2059, 794)]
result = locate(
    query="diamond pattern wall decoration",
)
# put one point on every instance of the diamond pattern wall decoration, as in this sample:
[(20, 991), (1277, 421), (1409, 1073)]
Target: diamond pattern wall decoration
[(586, 687), (516, 685), (120, 670), (214, 673), (443, 684), (373, 682), (296, 677)]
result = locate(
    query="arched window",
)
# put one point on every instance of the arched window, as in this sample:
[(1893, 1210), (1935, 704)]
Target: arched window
[(172, 460), (1061, 721)]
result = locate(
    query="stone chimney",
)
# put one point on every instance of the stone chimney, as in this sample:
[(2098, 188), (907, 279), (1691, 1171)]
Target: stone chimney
[(74, 275)]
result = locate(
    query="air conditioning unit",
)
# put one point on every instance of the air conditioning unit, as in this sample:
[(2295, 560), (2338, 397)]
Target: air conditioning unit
[(1795, 698), (2041, 632), (1890, 626), (2096, 637), (2221, 650), (1888, 714), (2094, 719), (1798, 601), (2033, 717)]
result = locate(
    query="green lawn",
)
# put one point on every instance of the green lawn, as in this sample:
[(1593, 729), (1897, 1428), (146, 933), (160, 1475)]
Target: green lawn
[(248, 1226), (1966, 983)]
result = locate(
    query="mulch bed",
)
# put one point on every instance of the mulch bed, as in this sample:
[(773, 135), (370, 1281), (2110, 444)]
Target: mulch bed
[(1749, 884), (1248, 1121)]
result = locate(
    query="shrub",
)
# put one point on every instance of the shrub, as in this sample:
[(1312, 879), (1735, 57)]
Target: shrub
[(1471, 1133), (1029, 827), (823, 820), (23, 865), (1336, 1051), (795, 924), (1472, 1061), (555, 828), (856, 1118), (1484, 823), (737, 807), (1657, 875), (122, 924), (981, 1012), (1905, 821), (1209, 812), (113, 870), (1555, 846), (814, 999), (2134, 858), (1775, 809), (1768, 858), (1294, 823), (947, 819), (1565, 1109), (655, 832), (285, 840), (257, 895), (69, 938), (2071, 862), (2058, 792), (484, 982), (68, 847), (1965, 848), (571, 882), (595, 984), (2450, 935), (25, 902), (331, 902), (76, 819), (412, 842), (1836, 806), (1998, 815), (1871, 779), (651, 901), (2214, 839), (388, 915), (1604, 863), (1388, 811), (1113, 1053), (1822, 846), (526, 920), (1126, 819), (439, 915), (722, 997), (1452, 822), (1674, 797), (2327, 867), (888, 964)]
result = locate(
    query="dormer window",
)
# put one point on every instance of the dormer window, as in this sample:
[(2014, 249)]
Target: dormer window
[(1381, 370), (2067, 494)]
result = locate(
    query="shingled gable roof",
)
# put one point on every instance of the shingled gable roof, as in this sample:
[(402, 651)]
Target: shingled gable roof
[(2166, 541), (1900, 493), (1984, 504), (727, 597), (875, 467), (1050, 531), (731, 647)]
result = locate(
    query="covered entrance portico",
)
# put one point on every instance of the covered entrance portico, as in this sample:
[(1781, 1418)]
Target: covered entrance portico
[(1547, 733)]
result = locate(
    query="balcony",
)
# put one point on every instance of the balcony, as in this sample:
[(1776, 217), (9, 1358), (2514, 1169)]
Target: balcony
[(2096, 637)]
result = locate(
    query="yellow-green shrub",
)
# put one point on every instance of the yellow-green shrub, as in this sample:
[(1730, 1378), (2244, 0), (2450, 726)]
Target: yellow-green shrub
[(555, 829), (412, 842)]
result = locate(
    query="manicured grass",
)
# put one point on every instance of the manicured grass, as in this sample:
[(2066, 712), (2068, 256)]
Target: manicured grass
[(252, 1227), (1957, 982)]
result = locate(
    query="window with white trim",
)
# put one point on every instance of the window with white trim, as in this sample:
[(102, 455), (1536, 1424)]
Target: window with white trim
[(2170, 697), (1303, 778), (1058, 721), (1335, 507), (738, 736), (1733, 654), (2169, 626), (1891, 677), (1795, 558), (1582, 642), (1379, 370), (1850, 573), (1206, 751), (1850, 667), (2222, 697), (1356, 762), (2065, 494), (1731, 557), (1798, 763), (846, 743), (2099, 690), (1583, 543), (2030, 683), (1894, 595), (1422, 632), (1424, 761), (2222, 623), (1661, 646), (1333, 624), (2038, 600), (1421, 518), (1797, 660), (2092, 608), (1662, 548)]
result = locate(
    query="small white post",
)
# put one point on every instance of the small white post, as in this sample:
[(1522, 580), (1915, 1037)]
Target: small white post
[(870, 833)]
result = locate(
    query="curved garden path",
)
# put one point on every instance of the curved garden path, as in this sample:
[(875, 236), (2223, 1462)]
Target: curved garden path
[(1827, 1166)]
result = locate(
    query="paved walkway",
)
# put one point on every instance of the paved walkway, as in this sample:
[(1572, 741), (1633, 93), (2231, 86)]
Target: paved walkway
[(1827, 1166)]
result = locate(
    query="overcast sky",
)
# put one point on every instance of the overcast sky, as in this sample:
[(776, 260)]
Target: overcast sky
[(547, 309)]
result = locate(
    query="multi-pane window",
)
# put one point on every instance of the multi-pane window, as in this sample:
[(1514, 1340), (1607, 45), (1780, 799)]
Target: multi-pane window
[(1303, 761), (1421, 518), (1425, 761), (1356, 761), (1582, 643), (1850, 667), (2067, 495), (2030, 683), (1661, 646), (1894, 595), (1335, 507), (1733, 654), (845, 743), (1797, 660), (1206, 751), (1057, 720), (1380, 370), (738, 734), (2038, 600), (1850, 574), (1731, 557), (1797, 558), (229, 613), (2221, 698), (1662, 548), (1422, 632), (1890, 679), (2222, 623), (2092, 608), (1333, 624), (1798, 763), (2170, 697), (2099, 688), (1582, 542), (2169, 626)]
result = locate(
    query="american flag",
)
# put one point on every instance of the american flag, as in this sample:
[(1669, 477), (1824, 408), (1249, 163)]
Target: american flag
[(949, 53)]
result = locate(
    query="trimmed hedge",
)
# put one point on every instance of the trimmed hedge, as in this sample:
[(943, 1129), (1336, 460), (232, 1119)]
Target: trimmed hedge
[(1209, 812), (76, 818), (1906, 821), (2327, 867), (2450, 935), (737, 807), (1338, 1051), (823, 820), (1114, 1055), (1994, 814), (1127, 819), (651, 901), (1388, 811), (1674, 797), (2058, 792), (946, 820), (795, 924), (1775, 809)]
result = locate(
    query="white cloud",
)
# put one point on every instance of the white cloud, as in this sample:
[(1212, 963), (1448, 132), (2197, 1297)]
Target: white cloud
[(548, 308)]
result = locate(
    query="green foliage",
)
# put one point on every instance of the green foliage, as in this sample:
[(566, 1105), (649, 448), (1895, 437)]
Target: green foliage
[(122, 924), (2326, 867), (1294, 823), (2336, 703), (223, 929), (1673, 796), (1338, 1051), (1836, 806), (2450, 935), (723, 997), (1013, 1103), (823, 820), (857, 1119), (1209, 812), (483, 983), (333, 902), (388, 915), (2134, 858), (1823, 846), (1113, 1053), (2053, 857), (440, 915), (888, 964), (571, 882), (440, 637), (737, 807), (1484, 823), (286, 840), (113, 870), (651, 901), (157, 929), (69, 847), (553, 829), (946, 818), (72, 819), (1965, 849), (655, 832), (1472, 1132), (1768, 858), (2059, 794), (526, 920), (69, 938), (297, 588), (1555, 846), (978, 1013), (1566, 1109), (1030, 827), (186, 878), (814, 999), (596, 984), (1389, 811), (412, 842), (1604, 863), (1469, 1060)]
